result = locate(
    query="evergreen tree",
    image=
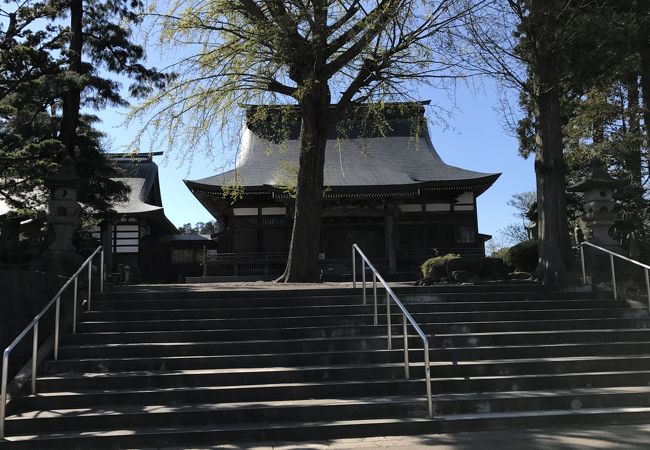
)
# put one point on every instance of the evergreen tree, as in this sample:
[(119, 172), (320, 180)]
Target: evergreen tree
[(541, 47), (51, 78)]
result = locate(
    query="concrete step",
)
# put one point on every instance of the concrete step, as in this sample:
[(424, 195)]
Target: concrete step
[(224, 347), (534, 325), (223, 335), (376, 333), (229, 313), (183, 366), (547, 337), (554, 399), (380, 372), (183, 292), (598, 361), (540, 351), (377, 371), (262, 346), (344, 309), (217, 394), (602, 346), (100, 365), (305, 431), (108, 337), (149, 323), (218, 377), (108, 303), (125, 416)]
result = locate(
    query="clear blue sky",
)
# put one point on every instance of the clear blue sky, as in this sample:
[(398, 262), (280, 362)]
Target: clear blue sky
[(474, 139)]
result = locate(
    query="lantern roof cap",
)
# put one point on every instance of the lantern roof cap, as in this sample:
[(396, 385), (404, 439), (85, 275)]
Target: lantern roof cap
[(597, 178)]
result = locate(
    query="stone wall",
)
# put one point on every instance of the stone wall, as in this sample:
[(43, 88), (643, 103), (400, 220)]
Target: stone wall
[(22, 295)]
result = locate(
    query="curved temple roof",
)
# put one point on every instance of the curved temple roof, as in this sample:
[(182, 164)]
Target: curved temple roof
[(141, 175), (395, 160)]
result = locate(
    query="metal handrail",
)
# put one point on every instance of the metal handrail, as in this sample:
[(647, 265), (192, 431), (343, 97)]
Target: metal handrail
[(611, 264), (33, 325), (406, 317)]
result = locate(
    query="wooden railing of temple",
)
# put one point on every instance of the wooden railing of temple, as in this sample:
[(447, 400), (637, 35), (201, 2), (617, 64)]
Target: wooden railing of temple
[(246, 264), (272, 264)]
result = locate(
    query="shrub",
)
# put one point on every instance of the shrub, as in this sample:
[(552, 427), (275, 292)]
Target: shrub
[(523, 256), (471, 264), (437, 266), (484, 267)]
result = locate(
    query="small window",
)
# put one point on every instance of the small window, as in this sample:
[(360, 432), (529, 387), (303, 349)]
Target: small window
[(465, 235)]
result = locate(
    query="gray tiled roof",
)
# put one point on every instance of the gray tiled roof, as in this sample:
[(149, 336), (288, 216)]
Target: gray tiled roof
[(140, 174), (393, 160), (135, 203)]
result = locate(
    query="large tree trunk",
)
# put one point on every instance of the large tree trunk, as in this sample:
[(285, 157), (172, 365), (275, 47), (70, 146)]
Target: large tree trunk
[(302, 264), (554, 266), (72, 99), (554, 263)]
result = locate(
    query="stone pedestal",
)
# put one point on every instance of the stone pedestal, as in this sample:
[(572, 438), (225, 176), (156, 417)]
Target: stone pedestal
[(64, 211), (598, 206)]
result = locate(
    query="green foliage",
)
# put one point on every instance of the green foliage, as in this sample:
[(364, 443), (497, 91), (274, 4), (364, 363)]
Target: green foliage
[(444, 266), (500, 253), (523, 256), (483, 267), (437, 266), (243, 54), (210, 227), (38, 73)]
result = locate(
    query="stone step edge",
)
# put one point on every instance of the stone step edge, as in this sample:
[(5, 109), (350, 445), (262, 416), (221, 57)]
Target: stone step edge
[(210, 407), (358, 303), (325, 402), (267, 369), (382, 327), (348, 382), (383, 424), (368, 316), (337, 339)]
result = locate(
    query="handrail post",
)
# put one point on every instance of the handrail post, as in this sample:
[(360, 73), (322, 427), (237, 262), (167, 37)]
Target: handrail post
[(90, 282), (374, 294), (611, 263), (101, 271), (406, 347), (34, 357), (582, 262), (363, 278), (57, 323), (388, 325), (427, 376), (74, 305), (354, 269), (3, 392)]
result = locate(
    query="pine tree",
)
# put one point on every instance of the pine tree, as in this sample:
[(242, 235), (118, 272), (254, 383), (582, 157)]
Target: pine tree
[(51, 78)]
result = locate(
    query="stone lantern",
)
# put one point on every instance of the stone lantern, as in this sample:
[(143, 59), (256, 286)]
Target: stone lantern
[(63, 215), (598, 204)]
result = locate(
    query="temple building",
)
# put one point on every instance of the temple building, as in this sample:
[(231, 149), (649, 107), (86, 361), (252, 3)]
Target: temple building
[(388, 191), (142, 242)]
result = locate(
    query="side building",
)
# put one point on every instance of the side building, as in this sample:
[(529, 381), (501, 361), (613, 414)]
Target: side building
[(142, 241), (390, 192)]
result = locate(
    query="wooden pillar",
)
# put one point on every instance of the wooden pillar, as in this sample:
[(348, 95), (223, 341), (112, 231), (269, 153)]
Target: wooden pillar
[(106, 240), (477, 242), (391, 250)]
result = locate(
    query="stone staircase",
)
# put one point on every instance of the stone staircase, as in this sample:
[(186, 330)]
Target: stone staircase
[(175, 368)]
